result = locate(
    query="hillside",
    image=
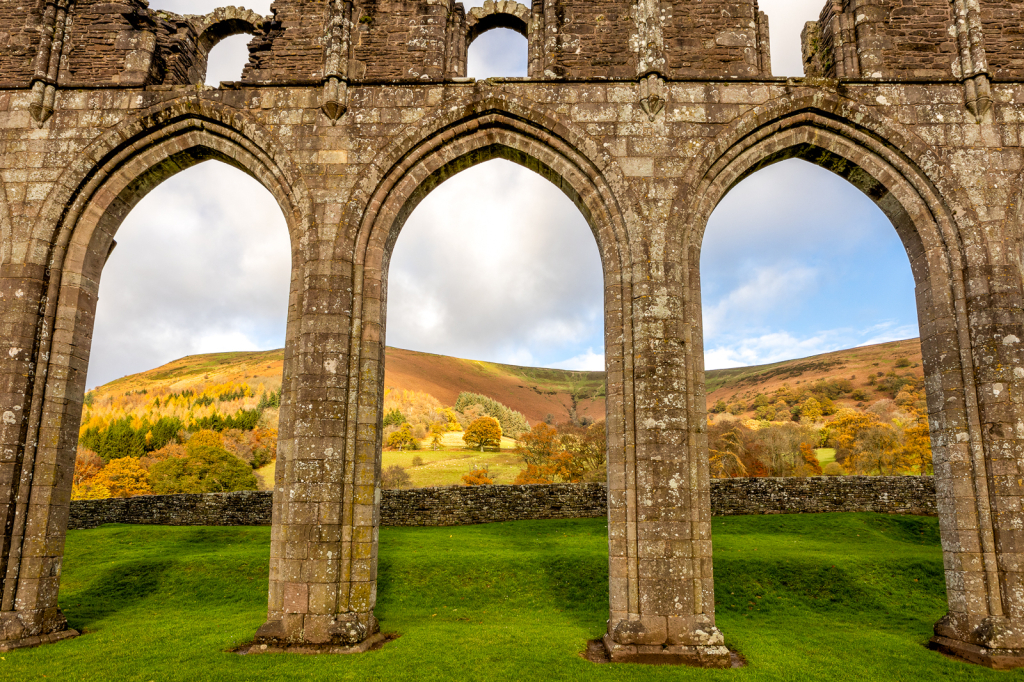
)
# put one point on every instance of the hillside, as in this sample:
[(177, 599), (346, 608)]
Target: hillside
[(536, 392)]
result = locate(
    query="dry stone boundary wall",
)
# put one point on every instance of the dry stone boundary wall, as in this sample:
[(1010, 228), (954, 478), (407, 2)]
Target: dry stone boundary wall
[(457, 506)]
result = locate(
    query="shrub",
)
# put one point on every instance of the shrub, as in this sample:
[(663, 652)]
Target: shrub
[(402, 438), (901, 362), (833, 469), (719, 407), (478, 477), (394, 478), (207, 468), (90, 490), (417, 461), (859, 395)]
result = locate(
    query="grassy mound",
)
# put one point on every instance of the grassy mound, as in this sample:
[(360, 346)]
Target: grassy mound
[(824, 597)]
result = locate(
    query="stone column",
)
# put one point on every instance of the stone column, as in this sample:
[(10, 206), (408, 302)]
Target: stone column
[(659, 501), (35, 486), (981, 486), (323, 547)]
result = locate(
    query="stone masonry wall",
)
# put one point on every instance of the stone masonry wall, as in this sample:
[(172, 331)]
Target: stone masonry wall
[(457, 506), (1003, 23), (18, 42)]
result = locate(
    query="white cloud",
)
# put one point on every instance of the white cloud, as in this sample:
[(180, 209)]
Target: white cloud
[(766, 293), (588, 361), (202, 264)]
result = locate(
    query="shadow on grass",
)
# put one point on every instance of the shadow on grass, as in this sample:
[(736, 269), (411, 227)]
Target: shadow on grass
[(118, 588)]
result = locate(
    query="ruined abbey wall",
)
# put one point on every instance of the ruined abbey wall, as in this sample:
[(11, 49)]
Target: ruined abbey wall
[(645, 114)]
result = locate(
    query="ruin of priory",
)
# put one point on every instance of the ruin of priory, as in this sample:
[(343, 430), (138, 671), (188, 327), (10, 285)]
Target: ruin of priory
[(644, 114)]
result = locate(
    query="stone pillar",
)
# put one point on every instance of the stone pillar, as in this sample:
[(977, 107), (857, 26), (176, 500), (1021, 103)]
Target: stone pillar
[(659, 502), (980, 487), (323, 560), (35, 486)]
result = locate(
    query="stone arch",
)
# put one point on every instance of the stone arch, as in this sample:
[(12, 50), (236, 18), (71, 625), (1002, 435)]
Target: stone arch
[(398, 179), (502, 14), (214, 27), (874, 157), (79, 220)]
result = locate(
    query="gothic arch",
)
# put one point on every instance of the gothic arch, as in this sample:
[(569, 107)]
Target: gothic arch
[(403, 174), (921, 212), (92, 198)]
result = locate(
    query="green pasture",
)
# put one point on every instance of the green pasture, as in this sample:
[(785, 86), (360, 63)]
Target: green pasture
[(825, 455), (447, 467), (815, 597)]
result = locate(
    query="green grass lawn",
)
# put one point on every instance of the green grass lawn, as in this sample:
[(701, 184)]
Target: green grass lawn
[(815, 597)]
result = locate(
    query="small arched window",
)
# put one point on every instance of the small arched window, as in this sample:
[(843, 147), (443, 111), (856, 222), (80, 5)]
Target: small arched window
[(227, 59), (498, 53)]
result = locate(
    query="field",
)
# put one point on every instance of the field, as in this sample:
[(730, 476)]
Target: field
[(447, 465), (822, 597)]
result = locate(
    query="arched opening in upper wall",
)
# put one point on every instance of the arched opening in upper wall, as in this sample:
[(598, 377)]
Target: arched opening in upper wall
[(786, 20), (223, 36), (499, 50), (227, 59)]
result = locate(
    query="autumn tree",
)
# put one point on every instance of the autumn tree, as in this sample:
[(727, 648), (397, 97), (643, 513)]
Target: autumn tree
[(206, 468), (478, 477), (810, 459), (569, 454), (810, 411), (90, 490), (124, 477), (724, 455), (483, 432), (402, 438), (87, 465), (917, 446)]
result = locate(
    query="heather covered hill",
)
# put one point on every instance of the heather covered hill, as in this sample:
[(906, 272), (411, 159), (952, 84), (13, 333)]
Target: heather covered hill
[(538, 392)]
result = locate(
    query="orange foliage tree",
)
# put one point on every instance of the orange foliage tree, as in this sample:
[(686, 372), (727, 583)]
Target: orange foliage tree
[(568, 456), (478, 477)]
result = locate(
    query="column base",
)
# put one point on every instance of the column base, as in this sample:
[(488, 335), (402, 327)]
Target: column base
[(340, 633), (699, 656), (371, 643), (997, 659), (37, 640)]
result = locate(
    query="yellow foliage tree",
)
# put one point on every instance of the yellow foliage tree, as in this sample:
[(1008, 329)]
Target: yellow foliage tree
[(124, 477), (483, 432), (203, 439), (402, 438), (811, 410), (90, 490)]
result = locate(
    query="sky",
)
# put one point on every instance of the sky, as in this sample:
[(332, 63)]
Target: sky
[(497, 264)]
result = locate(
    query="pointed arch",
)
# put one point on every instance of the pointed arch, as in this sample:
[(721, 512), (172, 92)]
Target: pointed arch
[(892, 169), (78, 221), (399, 178)]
